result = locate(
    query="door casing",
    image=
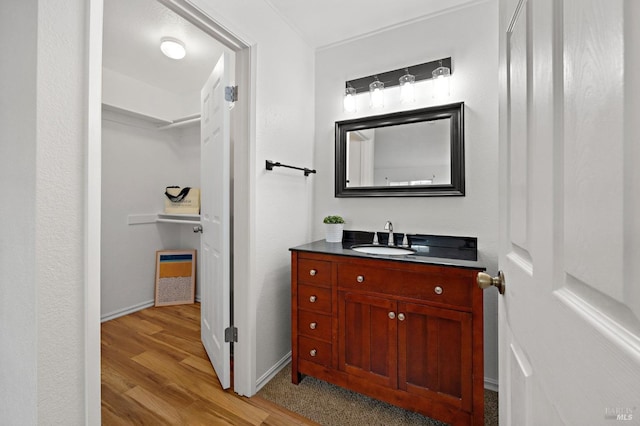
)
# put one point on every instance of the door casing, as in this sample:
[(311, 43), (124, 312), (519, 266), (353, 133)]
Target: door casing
[(242, 122)]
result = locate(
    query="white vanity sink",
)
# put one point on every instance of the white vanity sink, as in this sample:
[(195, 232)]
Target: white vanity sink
[(381, 249)]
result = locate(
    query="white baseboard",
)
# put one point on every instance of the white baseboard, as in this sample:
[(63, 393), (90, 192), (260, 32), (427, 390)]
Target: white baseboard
[(127, 311), (270, 374), (491, 384)]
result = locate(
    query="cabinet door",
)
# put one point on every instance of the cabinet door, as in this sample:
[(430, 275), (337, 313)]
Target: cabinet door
[(434, 353), (368, 339)]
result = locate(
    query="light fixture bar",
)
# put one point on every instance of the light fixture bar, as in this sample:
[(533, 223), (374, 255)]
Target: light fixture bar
[(390, 78)]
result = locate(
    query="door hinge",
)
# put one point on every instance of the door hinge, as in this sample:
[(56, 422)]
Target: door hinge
[(231, 334), (231, 93)]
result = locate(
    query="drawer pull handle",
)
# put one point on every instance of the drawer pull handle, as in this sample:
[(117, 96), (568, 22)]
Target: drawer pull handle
[(313, 325), (313, 272), (401, 316), (392, 315), (313, 299), (313, 352), (360, 278), (438, 290)]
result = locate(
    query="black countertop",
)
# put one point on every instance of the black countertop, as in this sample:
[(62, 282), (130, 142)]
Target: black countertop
[(343, 249)]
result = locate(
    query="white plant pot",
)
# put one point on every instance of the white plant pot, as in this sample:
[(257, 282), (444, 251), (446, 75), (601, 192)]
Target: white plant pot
[(333, 232)]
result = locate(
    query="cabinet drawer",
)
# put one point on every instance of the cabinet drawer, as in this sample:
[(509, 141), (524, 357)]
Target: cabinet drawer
[(313, 298), (314, 325), (315, 272), (314, 350), (428, 286)]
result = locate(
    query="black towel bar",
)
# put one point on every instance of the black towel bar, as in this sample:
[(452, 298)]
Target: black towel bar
[(271, 164)]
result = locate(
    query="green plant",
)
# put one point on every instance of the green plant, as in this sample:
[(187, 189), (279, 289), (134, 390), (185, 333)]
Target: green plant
[(333, 219)]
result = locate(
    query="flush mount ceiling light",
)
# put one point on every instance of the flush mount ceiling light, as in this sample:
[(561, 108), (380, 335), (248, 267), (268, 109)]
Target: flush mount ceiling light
[(173, 48)]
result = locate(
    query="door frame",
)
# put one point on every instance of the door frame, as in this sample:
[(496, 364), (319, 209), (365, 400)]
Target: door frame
[(243, 134)]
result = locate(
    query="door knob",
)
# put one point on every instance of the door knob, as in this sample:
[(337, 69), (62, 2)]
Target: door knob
[(486, 281), (197, 228)]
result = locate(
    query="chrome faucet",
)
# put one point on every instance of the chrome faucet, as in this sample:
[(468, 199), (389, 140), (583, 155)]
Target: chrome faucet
[(389, 227)]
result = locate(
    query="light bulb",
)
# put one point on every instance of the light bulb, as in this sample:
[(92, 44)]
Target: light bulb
[(376, 91), (441, 82), (350, 99), (407, 84)]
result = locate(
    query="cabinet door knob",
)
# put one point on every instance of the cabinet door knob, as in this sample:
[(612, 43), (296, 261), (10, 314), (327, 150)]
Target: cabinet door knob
[(313, 352), (401, 316), (313, 325), (392, 315), (360, 278), (313, 299), (313, 272), (438, 290)]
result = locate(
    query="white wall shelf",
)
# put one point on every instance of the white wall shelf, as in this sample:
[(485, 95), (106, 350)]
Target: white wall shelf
[(191, 120), (192, 219), (142, 219), (161, 123), (136, 114)]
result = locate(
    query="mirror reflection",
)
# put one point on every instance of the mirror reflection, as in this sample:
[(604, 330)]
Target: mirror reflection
[(400, 155), (413, 153)]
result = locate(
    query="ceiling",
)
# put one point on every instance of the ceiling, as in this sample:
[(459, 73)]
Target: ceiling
[(133, 30), (325, 22), (131, 45)]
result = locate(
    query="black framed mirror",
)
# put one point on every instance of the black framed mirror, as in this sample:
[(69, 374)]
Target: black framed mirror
[(417, 153)]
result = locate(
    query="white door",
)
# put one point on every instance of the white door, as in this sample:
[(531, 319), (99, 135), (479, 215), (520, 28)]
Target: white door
[(570, 212), (215, 247)]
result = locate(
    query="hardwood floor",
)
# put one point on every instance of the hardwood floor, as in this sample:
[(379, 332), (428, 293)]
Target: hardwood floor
[(155, 371)]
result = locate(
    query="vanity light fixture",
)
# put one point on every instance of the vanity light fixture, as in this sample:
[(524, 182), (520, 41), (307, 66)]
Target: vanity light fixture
[(407, 84), (405, 77), (173, 48), (441, 81), (376, 91), (349, 99)]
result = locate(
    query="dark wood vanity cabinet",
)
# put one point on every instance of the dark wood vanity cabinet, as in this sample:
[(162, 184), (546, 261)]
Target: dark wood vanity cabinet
[(407, 333)]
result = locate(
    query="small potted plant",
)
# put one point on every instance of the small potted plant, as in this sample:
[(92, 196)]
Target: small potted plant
[(333, 228)]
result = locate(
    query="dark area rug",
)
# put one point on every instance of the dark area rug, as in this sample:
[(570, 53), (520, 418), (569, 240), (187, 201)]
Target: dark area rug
[(332, 405)]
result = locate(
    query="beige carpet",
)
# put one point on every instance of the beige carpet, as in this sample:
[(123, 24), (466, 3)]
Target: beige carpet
[(331, 405)]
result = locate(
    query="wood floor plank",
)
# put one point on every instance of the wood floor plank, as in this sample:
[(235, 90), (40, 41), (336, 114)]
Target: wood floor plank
[(279, 416), (199, 363), (119, 409), (115, 381), (140, 325), (154, 403), (180, 374), (155, 371), (129, 370), (183, 344)]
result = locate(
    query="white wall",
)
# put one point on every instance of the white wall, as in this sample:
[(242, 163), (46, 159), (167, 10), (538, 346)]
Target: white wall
[(138, 162), (467, 35), (128, 93), (18, 313), (42, 141)]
